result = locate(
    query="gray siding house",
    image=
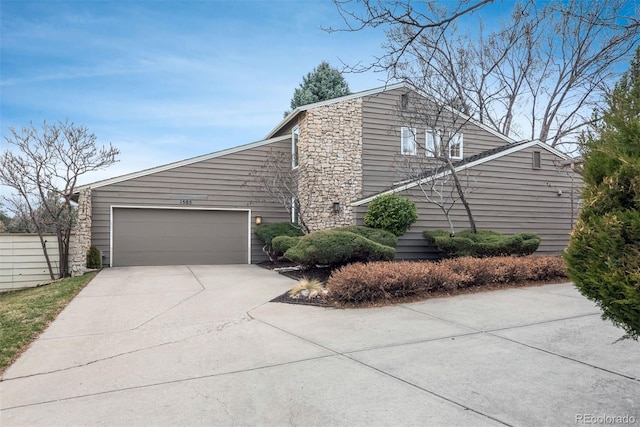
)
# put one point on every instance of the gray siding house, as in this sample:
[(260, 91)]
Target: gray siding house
[(345, 152)]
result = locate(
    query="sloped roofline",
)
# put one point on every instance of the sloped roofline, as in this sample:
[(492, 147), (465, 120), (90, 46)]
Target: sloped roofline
[(180, 163), (375, 91), (356, 95), (508, 149)]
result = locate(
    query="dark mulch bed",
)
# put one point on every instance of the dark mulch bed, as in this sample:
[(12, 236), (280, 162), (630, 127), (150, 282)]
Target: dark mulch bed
[(285, 298), (319, 273), (269, 265)]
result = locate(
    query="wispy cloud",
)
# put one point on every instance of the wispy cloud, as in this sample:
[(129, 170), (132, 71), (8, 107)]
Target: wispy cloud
[(165, 80)]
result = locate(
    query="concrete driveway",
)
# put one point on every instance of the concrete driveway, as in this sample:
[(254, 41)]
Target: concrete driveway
[(200, 345)]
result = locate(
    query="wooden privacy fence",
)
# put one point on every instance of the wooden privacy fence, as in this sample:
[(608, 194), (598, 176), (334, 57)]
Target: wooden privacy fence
[(22, 262)]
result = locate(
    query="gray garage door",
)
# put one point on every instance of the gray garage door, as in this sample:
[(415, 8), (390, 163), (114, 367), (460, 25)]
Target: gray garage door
[(179, 236)]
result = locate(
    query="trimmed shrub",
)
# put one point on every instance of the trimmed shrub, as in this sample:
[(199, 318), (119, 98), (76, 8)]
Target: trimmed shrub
[(370, 283), (387, 282), (380, 236), (491, 271), (94, 260), (336, 248), (392, 213), (267, 232), (484, 243), (281, 244)]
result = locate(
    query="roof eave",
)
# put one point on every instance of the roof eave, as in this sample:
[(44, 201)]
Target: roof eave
[(179, 163), (410, 184)]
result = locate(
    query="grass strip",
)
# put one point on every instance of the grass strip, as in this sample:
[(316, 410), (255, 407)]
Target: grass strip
[(25, 313)]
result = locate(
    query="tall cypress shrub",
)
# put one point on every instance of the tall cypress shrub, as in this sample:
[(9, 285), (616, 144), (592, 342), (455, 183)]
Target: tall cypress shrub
[(603, 256)]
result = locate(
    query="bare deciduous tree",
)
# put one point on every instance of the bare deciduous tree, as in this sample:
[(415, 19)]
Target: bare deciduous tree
[(276, 180), (43, 170), (432, 166), (546, 64)]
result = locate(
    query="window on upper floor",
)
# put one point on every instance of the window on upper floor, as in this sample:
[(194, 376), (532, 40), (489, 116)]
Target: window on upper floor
[(455, 145), (432, 143), (408, 141), (295, 136)]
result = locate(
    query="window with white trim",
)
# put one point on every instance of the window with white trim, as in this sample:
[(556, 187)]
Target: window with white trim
[(408, 141), (295, 136), (455, 146), (432, 143)]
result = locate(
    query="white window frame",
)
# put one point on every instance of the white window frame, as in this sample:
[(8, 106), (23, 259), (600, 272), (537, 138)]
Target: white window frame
[(433, 143), (456, 139), (407, 133), (295, 138)]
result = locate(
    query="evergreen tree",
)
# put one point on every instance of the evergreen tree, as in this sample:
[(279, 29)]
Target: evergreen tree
[(323, 83), (604, 252)]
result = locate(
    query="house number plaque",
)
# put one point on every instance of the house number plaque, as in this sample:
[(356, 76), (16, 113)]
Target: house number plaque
[(187, 199)]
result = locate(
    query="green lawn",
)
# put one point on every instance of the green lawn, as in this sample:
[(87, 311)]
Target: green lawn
[(25, 313)]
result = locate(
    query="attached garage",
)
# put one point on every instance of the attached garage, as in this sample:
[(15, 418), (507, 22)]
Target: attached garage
[(175, 236)]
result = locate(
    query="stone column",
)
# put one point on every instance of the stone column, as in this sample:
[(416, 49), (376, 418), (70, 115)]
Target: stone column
[(81, 236)]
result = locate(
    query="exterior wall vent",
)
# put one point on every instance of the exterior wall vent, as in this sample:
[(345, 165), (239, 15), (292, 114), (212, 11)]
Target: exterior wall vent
[(536, 161), (404, 101)]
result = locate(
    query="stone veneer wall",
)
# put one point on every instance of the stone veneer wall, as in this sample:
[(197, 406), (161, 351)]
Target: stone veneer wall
[(81, 237), (330, 163)]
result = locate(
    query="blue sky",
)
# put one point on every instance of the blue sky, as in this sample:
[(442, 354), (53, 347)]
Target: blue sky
[(167, 80)]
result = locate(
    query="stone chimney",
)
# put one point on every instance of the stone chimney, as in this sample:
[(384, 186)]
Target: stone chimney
[(330, 163)]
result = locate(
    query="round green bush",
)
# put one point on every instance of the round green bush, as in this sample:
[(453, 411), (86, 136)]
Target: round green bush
[(94, 260), (392, 213), (333, 247)]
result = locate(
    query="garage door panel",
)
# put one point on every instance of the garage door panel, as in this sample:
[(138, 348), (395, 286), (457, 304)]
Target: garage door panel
[(151, 258), (177, 236)]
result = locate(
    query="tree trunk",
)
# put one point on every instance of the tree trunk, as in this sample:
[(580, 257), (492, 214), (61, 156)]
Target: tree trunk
[(63, 252), (452, 231), (463, 199), (46, 256)]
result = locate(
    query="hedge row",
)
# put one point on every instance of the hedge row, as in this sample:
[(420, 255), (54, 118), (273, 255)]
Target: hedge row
[(386, 282), (484, 243)]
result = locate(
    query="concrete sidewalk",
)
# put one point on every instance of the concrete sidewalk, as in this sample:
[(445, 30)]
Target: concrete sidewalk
[(200, 345)]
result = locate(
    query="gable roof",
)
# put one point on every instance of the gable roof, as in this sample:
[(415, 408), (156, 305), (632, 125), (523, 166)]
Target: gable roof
[(466, 163), (180, 163)]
